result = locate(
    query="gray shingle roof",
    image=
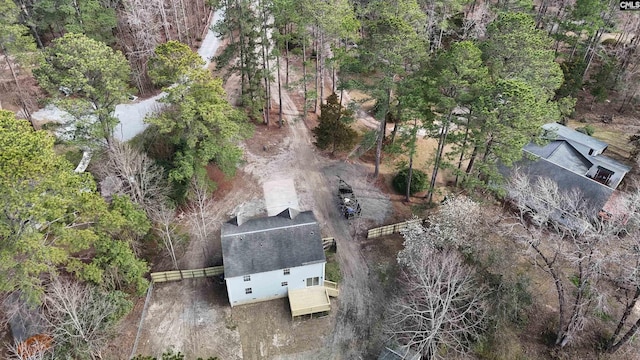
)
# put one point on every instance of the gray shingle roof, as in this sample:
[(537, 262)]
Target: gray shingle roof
[(569, 134), (398, 353), (594, 193), (571, 150), (286, 240)]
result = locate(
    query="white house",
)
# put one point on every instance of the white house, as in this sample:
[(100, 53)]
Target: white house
[(266, 257)]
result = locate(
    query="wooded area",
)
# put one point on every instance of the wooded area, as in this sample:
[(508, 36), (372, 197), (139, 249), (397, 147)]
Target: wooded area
[(478, 78)]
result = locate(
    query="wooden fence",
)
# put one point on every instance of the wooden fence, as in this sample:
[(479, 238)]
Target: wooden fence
[(328, 243), (390, 229), (186, 274)]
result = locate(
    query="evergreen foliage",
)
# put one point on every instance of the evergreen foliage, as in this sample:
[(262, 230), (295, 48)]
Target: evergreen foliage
[(54, 220), (202, 127), (172, 62), (419, 181), (88, 79), (334, 131)]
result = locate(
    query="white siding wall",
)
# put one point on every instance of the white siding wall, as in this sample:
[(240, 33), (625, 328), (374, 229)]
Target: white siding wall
[(268, 285)]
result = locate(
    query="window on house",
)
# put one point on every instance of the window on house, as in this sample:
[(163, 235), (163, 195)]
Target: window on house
[(248, 291), (314, 281), (247, 278), (284, 283), (603, 175), (287, 271)]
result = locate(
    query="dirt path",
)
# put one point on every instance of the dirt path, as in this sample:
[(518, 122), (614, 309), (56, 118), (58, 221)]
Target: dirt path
[(194, 316), (316, 180)]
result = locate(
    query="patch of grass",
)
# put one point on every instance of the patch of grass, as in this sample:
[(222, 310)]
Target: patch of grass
[(603, 315), (332, 269), (617, 140), (386, 272), (73, 156), (502, 344), (230, 324)]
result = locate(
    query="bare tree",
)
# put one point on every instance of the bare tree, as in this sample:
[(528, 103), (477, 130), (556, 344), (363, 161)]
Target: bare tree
[(476, 20), (564, 238), (623, 265), (139, 21), (165, 225), (441, 309), (135, 174), (454, 225), (200, 209), (80, 318)]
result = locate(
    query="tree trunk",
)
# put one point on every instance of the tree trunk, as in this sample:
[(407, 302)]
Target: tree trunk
[(381, 135), (626, 338), (185, 21), (626, 101), (265, 68), (627, 311), (472, 160), (464, 144), (243, 77), (304, 78), (163, 18), (411, 153), (396, 124), (25, 108), (286, 56), (279, 92), (383, 124), (76, 7), (436, 164), (176, 19), (591, 50), (317, 69), (321, 60)]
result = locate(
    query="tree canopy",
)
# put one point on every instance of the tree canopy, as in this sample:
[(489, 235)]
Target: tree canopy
[(333, 131), (88, 79), (171, 61), (54, 220), (202, 126)]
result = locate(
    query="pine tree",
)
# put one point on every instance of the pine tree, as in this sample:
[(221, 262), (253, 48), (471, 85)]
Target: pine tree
[(333, 131)]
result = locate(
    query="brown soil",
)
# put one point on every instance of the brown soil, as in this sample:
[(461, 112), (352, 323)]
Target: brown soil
[(265, 330)]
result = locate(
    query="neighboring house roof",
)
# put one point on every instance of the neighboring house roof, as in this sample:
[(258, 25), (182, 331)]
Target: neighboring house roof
[(579, 153), (594, 193), (398, 353), (287, 240), (570, 134)]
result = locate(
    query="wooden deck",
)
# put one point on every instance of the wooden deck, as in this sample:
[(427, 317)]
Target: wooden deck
[(309, 301), (332, 288)]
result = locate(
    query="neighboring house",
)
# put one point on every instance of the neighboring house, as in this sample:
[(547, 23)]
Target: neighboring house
[(574, 160), (266, 257), (396, 352)]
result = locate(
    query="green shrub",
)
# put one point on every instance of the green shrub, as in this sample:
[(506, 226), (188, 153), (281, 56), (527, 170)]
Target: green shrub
[(419, 181), (74, 156), (587, 129)]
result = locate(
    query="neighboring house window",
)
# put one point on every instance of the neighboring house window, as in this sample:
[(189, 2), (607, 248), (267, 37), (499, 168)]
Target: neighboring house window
[(284, 283), (248, 291), (287, 271), (247, 278), (313, 281), (603, 175)]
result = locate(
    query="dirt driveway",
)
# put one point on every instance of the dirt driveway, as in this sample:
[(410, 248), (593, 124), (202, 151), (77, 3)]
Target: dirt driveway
[(194, 316)]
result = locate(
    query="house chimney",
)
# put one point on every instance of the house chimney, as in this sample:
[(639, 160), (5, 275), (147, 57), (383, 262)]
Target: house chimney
[(237, 220)]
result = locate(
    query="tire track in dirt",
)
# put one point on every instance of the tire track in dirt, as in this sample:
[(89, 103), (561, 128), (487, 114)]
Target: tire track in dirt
[(312, 174)]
